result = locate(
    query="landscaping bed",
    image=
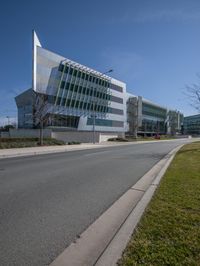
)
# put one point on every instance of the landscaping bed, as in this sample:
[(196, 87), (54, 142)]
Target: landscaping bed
[(169, 231), (140, 138), (7, 143)]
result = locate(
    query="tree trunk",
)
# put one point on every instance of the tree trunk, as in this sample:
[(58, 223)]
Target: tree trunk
[(135, 132), (41, 133)]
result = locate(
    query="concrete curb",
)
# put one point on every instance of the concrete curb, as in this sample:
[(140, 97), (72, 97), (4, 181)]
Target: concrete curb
[(116, 247), (103, 242)]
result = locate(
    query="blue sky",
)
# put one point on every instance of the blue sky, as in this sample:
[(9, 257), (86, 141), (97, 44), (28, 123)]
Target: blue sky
[(153, 46)]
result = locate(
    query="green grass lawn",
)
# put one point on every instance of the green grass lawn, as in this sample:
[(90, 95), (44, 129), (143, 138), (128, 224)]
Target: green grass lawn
[(169, 231)]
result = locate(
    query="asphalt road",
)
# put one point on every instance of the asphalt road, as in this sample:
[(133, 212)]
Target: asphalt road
[(46, 201)]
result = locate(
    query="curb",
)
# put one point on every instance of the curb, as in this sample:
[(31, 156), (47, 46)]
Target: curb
[(118, 244), (103, 242)]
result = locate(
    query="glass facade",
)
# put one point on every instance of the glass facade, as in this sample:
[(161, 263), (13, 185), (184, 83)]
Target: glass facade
[(24, 103), (105, 122), (192, 125), (152, 126), (63, 121), (116, 88), (153, 119), (155, 111), (82, 90)]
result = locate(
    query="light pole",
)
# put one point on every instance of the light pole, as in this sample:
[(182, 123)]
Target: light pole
[(8, 117), (94, 112), (94, 121)]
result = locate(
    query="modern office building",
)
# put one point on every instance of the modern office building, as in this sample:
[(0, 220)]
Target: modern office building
[(74, 97), (192, 124), (147, 118), (78, 96)]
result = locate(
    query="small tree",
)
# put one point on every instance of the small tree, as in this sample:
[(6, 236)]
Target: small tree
[(41, 112), (7, 127), (132, 116), (173, 122), (134, 119)]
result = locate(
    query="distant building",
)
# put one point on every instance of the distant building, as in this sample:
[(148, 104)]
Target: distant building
[(80, 98), (192, 124), (147, 118)]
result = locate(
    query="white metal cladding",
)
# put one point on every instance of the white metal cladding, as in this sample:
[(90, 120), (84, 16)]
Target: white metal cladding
[(80, 91), (36, 43)]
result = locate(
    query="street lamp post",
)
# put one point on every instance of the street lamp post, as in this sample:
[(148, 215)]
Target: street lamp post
[(94, 112), (94, 121), (8, 119)]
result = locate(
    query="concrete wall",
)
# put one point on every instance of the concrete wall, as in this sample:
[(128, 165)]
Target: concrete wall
[(29, 133), (5, 134), (83, 137), (106, 136), (67, 136)]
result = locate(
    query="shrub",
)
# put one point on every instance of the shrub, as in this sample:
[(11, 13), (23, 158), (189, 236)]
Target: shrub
[(74, 142), (118, 139), (7, 143)]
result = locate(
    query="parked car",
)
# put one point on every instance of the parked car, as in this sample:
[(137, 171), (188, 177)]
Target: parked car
[(157, 136)]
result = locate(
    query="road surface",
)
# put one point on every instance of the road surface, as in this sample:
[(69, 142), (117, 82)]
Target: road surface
[(46, 201)]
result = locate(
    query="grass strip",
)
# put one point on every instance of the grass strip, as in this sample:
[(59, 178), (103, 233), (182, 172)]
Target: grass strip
[(169, 231)]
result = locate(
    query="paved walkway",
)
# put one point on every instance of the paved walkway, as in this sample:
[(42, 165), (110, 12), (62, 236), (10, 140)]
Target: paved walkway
[(15, 152)]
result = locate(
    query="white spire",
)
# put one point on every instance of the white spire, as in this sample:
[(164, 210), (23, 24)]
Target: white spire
[(35, 43)]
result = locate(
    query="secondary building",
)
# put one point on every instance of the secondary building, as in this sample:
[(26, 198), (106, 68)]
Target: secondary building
[(192, 124), (147, 118)]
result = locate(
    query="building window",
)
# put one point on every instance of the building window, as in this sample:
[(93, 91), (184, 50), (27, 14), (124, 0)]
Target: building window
[(71, 71), (66, 69), (61, 67)]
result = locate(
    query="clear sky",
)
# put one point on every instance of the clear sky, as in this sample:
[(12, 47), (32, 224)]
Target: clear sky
[(152, 45)]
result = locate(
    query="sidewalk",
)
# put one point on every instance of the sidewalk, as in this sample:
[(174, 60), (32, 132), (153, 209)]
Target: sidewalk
[(16, 152)]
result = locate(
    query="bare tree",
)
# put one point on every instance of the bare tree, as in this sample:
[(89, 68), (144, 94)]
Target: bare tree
[(40, 112), (193, 93), (44, 111), (134, 117), (172, 122), (132, 110)]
